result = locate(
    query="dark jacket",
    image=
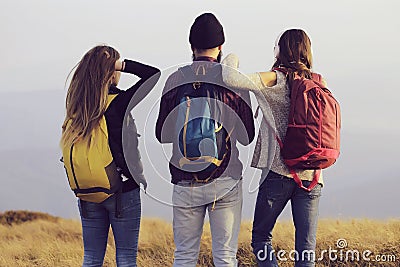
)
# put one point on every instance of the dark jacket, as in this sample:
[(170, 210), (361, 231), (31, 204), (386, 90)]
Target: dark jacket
[(118, 113), (240, 122)]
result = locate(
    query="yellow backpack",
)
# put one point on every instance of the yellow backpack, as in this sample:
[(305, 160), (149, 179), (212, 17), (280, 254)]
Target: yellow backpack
[(89, 164)]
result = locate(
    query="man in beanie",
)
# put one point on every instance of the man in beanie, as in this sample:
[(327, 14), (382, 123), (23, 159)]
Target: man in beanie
[(196, 191)]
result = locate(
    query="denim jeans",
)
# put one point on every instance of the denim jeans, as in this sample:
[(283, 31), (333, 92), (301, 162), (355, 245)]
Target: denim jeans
[(273, 195), (96, 224), (223, 200)]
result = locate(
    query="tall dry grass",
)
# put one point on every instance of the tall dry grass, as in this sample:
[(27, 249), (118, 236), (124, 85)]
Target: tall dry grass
[(43, 240)]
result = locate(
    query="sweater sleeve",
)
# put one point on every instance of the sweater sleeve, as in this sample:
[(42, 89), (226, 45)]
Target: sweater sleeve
[(235, 79), (148, 79)]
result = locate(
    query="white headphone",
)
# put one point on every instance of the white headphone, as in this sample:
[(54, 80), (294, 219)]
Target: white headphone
[(276, 47)]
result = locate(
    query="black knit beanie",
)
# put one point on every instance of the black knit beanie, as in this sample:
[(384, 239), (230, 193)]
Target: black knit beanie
[(206, 32)]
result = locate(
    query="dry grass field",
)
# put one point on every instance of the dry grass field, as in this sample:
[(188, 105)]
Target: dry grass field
[(37, 239)]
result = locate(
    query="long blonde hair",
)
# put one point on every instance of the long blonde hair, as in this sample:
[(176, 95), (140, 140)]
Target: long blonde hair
[(86, 99)]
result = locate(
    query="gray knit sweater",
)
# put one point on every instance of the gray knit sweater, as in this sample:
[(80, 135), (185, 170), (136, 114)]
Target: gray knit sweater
[(274, 103)]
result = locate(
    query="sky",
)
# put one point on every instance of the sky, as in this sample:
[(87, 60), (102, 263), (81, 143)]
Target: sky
[(354, 43)]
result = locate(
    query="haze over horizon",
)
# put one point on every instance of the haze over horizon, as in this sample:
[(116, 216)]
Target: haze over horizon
[(353, 45)]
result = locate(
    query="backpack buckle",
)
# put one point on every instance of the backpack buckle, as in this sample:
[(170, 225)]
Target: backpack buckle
[(197, 180), (196, 85)]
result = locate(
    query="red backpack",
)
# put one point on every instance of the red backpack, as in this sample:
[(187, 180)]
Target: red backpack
[(312, 140)]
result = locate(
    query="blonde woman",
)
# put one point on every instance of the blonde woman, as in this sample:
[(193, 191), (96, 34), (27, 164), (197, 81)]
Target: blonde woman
[(95, 77)]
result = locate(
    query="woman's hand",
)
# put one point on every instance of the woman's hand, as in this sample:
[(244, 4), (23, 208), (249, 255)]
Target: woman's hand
[(119, 65)]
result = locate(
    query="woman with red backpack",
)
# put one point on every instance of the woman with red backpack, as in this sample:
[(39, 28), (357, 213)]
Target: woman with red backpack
[(280, 183)]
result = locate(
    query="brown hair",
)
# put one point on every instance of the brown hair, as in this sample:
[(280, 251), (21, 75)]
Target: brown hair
[(295, 54), (86, 99)]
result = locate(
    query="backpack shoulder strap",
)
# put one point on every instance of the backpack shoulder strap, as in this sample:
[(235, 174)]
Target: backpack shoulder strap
[(212, 72), (187, 73), (110, 98)]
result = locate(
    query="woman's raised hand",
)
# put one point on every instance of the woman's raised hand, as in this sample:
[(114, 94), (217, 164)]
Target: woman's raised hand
[(119, 65)]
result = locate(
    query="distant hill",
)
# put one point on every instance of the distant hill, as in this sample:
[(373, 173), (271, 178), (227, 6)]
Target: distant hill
[(44, 240), (18, 217)]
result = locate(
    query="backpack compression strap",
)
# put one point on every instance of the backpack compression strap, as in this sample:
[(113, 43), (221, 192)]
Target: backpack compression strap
[(296, 177)]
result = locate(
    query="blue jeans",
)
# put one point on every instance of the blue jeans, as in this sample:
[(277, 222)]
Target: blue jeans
[(222, 198), (96, 224), (273, 195)]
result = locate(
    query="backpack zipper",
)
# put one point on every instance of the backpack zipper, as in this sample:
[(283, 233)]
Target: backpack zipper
[(320, 118), (72, 167)]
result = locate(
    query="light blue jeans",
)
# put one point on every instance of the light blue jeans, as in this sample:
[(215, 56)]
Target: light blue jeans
[(273, 195), (96, 224), (223, 199)]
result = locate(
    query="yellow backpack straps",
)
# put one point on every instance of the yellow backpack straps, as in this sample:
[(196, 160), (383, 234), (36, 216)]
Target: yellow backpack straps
[(110, 98)]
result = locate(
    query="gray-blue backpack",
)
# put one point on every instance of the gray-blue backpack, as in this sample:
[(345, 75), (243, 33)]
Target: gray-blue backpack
[(202, 139)]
